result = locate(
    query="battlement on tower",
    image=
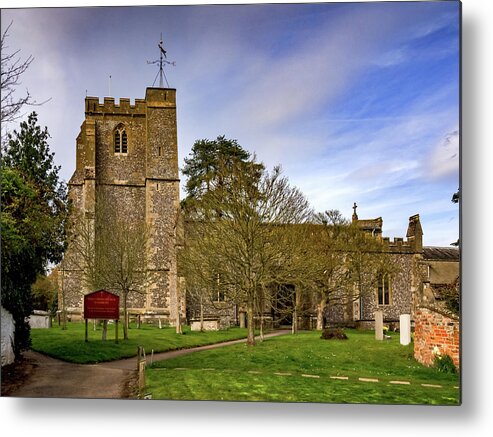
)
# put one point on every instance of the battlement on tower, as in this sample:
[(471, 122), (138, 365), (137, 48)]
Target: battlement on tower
[(412, 244), (398, 244), (155, 97), (94, 107)]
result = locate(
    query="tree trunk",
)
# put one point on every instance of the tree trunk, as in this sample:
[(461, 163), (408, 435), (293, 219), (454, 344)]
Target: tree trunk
[(178, 322), (322, 303), (64, 319), (261, 314), (201, 314), (105, 329), (64, 313), (294, 323), (178, 318), (250, 323), (125, 317), (261, 326)]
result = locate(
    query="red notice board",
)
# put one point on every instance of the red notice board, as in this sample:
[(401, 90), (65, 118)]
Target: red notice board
[(101, 304)]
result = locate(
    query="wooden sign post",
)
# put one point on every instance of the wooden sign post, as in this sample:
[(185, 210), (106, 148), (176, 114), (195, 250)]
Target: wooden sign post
[(102, 305)]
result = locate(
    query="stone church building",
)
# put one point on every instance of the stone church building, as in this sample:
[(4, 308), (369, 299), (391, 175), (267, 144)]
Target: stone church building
[(402, 292), (128, 154)]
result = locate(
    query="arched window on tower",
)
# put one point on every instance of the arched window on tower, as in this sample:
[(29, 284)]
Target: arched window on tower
[(120, 141)]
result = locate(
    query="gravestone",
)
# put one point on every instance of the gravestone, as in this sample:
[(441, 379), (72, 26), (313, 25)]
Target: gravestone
[(242, 319), (40, 319), (378, 325), (405, 328), (209, 324)]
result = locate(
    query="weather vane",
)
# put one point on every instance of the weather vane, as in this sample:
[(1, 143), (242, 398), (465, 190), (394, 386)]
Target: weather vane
[(161, 61)]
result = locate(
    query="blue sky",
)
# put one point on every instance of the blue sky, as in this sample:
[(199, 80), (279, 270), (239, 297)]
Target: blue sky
[(359, 102)]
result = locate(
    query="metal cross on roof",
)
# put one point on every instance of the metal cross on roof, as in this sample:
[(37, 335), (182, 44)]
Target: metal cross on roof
[(162, 61)]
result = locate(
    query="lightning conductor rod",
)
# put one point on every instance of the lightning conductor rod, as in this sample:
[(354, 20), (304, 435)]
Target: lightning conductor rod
[(161, 52)]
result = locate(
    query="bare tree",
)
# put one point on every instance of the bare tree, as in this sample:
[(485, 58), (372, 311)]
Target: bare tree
[(111, 252), (240, 235), (367, 261), (446, 299), (121, 261), (346, 263), (12, 68)]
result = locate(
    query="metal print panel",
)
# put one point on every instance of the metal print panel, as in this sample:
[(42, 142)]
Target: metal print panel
[(271, 191)]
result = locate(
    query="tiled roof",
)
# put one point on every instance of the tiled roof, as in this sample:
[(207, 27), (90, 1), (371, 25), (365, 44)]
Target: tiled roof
[(370, 224), (440, 253)]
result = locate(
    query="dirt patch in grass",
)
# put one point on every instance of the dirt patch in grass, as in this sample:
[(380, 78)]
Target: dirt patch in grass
[(130, 388)]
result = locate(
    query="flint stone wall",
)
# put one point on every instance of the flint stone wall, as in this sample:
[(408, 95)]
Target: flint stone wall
[(401, 301)]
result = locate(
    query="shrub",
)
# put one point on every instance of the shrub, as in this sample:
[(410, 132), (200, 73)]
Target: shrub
[(333, 333), (445, 364)]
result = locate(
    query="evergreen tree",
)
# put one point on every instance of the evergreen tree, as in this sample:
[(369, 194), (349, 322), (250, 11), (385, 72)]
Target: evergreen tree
[(246, 241), (206, 163), (34, 210)]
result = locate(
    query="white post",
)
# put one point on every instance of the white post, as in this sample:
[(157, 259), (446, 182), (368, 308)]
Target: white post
[(405, 328), (379, 325), (242, 319)]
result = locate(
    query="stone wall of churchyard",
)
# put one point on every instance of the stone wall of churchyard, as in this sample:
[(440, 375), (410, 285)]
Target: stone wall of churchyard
[(7, 337), (435, 332)]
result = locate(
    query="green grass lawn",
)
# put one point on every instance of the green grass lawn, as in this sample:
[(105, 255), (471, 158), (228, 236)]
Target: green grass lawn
[(224, 374), (69, 345)]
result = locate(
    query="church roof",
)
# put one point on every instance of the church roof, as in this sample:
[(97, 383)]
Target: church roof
[(370, 224), (440, 253)]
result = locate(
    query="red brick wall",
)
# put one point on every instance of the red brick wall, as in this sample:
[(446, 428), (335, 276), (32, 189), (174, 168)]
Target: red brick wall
[(433, 329)]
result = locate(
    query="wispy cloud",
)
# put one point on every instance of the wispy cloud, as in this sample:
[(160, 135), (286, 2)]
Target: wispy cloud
[(444, 159), (353, 100)]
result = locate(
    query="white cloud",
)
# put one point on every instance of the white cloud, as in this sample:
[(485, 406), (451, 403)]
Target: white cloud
[(444, 159), (272, 97), (392, 57)]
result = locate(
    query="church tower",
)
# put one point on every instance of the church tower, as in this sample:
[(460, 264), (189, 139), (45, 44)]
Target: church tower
[(128, 156)]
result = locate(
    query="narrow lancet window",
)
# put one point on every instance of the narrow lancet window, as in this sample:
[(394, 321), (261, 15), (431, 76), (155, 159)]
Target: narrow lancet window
[(117, 142), (383, 293), (124, 142), (120, 141)]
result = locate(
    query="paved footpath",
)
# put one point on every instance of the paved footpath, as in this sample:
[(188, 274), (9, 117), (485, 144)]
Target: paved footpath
[(52, 378)]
